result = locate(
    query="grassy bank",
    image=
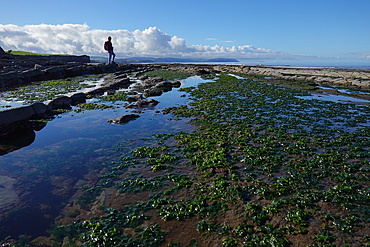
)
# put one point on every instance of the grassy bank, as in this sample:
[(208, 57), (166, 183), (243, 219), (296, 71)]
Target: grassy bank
[(24, 53)]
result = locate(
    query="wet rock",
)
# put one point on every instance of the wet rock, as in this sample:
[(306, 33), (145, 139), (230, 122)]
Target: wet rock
[(16, 114), (135, 98), (202, 72), (143, 77), (151, 82), (176, 83), (38, 66), (78, 98), (40, 108), (164, 84), (116, 81), (63, 102), (16, 120), (33, 73), (143, 103), (152, 92), (97, 92), (124, 119)]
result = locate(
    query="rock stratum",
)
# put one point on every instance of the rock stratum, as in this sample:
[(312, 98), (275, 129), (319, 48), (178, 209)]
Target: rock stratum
[(327, 75)]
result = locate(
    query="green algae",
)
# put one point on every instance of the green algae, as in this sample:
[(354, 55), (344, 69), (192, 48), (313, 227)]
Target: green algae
[(260, 155), (168, 74), (48, 90)]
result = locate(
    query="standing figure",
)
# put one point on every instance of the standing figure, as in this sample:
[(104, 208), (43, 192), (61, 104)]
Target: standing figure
[(109, 47)]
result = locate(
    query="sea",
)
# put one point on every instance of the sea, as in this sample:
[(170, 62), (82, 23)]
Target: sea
[(326, 63)]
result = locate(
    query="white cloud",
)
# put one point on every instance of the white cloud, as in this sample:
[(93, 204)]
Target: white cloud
[(80, 39), (365, 55)]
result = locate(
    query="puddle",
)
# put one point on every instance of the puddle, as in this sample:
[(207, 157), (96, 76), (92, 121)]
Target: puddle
[(339, 95), (345, 91)]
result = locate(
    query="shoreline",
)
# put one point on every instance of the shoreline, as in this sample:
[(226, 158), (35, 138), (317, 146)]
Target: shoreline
[(348, 78), (17, 70)]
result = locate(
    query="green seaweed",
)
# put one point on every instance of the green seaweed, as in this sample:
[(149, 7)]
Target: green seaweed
[(260, 155)]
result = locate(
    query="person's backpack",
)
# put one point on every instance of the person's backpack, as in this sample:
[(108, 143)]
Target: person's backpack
[(106, 46)]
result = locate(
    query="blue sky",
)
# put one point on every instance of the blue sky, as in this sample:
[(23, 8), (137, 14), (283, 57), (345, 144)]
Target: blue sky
[(322, 28)]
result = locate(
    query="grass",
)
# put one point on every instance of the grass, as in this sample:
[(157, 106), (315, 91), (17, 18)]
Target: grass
[(23, 53)]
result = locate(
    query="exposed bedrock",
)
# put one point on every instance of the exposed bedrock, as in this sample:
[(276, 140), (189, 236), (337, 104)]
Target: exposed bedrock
[(325, 75)]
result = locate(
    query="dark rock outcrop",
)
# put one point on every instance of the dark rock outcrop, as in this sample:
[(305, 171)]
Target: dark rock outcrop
[(124, 119), (18, 119), (78, 98), (17, 70), (152, 92), (111, 82), (176, 83), (143, 103), (63, 102)]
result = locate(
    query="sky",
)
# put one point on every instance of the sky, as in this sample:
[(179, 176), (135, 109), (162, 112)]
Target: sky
[(241, 29)]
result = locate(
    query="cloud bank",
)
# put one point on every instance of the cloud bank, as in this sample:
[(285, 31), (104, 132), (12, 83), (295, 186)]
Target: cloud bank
[(80, 39)]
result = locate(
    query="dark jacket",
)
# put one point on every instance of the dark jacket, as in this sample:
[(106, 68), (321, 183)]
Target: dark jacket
[(108, 46)]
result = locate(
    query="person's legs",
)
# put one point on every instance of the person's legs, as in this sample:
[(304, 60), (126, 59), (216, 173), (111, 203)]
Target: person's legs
[(114, 55), (111, 56)]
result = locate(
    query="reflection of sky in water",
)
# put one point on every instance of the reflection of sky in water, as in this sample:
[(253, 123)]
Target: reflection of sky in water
[(334, 98), (342, 90), (71, 133), (72, 144)]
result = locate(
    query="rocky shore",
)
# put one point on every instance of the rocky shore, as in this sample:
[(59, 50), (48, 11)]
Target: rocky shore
[(20, 70), (327, 75)]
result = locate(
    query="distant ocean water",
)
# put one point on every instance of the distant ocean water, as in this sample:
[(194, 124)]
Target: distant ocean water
[(345, 64), (318, 63)]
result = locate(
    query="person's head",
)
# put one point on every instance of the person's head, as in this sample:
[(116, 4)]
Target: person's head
[(109, 38)]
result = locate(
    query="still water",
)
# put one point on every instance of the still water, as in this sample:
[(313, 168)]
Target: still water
[(37, 180)]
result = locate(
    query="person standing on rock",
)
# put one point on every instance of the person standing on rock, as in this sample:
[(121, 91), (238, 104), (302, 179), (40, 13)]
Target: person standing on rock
[(109, 47)]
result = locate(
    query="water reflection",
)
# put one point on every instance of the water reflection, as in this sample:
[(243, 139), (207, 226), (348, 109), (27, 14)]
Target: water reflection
[(47, 167), (17, 141), (335, 98)]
